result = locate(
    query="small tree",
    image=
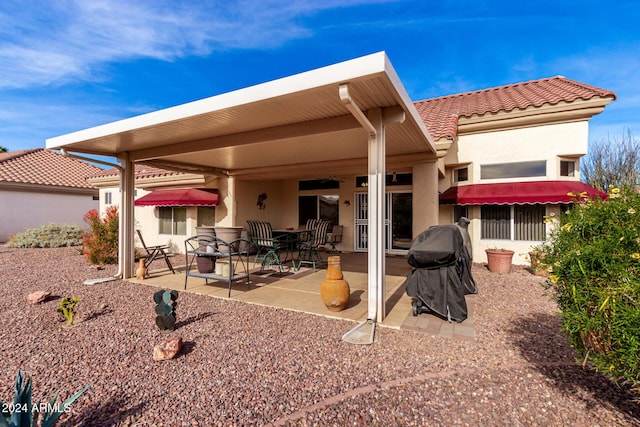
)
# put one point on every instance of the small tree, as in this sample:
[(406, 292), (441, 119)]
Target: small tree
[(593, 257), (613, 162), (3, 149), (100, 245)]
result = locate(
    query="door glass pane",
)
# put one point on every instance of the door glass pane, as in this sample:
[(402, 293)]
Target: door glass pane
[(329, 206), (401, 221), (307, 208), (529, 222)]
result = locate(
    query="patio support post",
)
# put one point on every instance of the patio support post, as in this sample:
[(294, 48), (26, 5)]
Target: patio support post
[(376, 214), (126, 242)]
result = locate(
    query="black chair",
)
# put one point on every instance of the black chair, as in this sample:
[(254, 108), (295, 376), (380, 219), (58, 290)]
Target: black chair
[(269, 247), (335, 238), (308, 251), (156, 252)]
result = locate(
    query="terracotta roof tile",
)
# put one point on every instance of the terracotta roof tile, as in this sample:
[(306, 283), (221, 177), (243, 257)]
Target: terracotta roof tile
[(441, 114), (141, 171), (44, 167)]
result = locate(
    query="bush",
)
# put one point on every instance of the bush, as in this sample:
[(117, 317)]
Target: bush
[(47, 236), (593, 258), (100, 245)]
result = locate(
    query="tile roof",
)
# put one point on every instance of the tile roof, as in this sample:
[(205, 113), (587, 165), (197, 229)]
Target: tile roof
[(141, 171), (441, 114), (44, 167)]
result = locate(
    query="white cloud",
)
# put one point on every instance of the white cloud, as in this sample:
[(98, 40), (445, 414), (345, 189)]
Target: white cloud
[(70, 39)]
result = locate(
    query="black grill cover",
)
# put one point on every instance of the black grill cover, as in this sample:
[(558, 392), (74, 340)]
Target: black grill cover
[(441, 277)]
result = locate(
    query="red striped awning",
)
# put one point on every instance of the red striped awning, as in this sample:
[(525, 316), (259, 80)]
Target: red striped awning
[(179, 197), (515, 193)]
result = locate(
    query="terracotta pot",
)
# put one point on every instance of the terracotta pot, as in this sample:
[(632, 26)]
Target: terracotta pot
[(499, 260), (334, 291), (536, 267)]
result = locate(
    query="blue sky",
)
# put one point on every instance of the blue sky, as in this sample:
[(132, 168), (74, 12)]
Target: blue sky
[(67, 65)]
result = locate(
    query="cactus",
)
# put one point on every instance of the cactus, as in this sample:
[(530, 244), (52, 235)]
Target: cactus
[(25, 414), (166, 309), (67, 309)]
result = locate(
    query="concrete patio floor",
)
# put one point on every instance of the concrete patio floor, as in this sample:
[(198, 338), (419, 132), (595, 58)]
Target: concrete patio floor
[(300, 291)]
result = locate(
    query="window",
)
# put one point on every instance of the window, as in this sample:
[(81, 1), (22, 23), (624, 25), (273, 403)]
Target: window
[(461, 175), (318, 207), (173, 220), (514, 170), (459, 212), (206, 215), (108, 198), (567, 168), (319, 184), (523, 222)]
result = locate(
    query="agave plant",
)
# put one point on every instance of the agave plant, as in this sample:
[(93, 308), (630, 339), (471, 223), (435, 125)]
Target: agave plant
[(22, 413)]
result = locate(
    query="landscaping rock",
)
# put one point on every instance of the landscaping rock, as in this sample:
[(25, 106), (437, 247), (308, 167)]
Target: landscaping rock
[(38, 296), (168, 349)]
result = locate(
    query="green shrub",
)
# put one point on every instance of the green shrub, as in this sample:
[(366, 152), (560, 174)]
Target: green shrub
[(67, 309), (47, 236), (100, 245), (593, 258)]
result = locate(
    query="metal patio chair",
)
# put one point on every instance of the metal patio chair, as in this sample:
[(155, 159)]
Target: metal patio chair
[(156, 252), (269, 247), (309, 251), (335, 238)]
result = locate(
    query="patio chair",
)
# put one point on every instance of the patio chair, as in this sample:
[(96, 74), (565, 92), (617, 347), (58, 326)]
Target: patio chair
[(156, 252), (269, 247), (308, 252), (335, 238)]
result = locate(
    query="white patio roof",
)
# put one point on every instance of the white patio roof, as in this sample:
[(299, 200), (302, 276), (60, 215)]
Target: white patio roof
[(297, 121)]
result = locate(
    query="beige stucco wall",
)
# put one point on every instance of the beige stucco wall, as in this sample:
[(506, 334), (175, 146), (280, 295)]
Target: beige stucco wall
[(24, 209), (550, 143)]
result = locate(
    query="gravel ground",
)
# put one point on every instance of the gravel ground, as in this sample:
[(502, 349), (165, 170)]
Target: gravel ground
[(248, 365)]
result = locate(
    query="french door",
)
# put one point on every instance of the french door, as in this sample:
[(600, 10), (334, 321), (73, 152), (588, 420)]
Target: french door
[(398, 222)]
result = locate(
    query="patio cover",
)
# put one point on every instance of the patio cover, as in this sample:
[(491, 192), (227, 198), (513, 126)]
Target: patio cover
[(514, 193), (179, 197), (340, 119)]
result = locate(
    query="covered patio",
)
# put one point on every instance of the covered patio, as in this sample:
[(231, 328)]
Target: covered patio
[(351, 117), (300, 291)]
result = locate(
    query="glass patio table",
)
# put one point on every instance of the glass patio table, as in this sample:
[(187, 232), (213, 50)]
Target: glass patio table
[(291, 238)]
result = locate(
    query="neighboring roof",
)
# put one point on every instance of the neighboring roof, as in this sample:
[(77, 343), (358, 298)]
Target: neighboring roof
[(179, 197), (44, 167), (441, 114), (512, 193), (141, 171)]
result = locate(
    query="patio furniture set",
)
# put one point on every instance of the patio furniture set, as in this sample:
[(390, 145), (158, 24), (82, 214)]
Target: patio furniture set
[(211, 258)]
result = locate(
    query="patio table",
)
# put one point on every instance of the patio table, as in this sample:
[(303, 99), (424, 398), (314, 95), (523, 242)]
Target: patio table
[(291, 237)]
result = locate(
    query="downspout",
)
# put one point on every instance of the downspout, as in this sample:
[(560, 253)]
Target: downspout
[(119, 273), (363, 333)]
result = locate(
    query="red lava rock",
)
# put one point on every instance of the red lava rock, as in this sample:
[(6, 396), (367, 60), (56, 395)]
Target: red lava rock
[(168, 349), (38, 296)]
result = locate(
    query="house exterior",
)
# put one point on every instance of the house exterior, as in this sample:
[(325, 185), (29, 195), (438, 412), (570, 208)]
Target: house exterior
[(343, 141), (40, 186), (508, 158)]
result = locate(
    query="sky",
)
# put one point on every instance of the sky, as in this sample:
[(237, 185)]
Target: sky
[(66, 65)]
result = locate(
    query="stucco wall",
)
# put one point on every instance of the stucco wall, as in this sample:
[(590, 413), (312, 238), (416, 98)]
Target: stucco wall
[(24, 209), (550, 143)]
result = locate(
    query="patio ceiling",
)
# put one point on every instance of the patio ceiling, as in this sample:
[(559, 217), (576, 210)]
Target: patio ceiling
[(296, 126)]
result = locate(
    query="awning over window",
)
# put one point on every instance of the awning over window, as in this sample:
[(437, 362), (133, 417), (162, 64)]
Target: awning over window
[(513, 193), (179, 197)]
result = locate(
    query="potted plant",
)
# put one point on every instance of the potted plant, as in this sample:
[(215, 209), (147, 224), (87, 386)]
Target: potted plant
[(499, 260)]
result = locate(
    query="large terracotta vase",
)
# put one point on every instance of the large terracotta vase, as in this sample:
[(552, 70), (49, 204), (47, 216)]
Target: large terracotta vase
[(499, 260), (334, 291)]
